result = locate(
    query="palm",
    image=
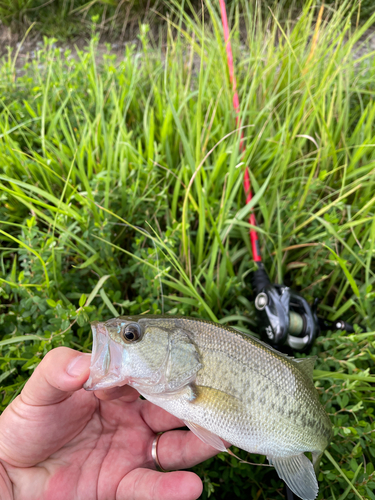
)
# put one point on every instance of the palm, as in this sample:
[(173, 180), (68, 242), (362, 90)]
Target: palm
[(82, 447)]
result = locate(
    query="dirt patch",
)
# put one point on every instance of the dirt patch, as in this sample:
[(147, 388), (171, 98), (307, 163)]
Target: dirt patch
[(26, 49)]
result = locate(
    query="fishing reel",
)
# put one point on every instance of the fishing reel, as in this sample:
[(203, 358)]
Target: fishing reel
[(286, 320)]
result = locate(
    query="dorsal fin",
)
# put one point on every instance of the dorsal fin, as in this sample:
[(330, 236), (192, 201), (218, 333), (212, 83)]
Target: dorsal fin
[(264, 344), (306, 365)]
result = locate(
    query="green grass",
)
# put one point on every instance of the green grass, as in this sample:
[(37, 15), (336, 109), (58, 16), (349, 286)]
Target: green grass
[(93, 155), (67, 19), (119, 19)]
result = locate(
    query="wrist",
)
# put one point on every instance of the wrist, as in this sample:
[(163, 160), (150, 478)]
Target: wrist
[(6, 487)]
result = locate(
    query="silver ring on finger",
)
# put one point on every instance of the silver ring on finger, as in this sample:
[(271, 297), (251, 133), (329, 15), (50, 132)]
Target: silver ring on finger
[(154, 453)]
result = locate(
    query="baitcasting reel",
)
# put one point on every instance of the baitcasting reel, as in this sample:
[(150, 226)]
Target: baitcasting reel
[(285, 318)]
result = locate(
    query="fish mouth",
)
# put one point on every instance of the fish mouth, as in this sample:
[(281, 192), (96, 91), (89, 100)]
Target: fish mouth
[(106, 360)]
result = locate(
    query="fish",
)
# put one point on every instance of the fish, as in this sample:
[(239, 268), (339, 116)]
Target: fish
[(224, 385)]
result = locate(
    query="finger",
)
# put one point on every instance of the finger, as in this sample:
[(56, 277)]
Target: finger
[(145, 484), (182, 450), (126, 393), (61, 372), (158, 419)]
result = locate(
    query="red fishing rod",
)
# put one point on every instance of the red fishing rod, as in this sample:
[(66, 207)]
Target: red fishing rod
[(236, 104), (286, 320)]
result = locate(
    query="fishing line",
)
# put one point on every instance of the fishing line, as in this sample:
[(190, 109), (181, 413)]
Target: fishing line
[(230, 452)]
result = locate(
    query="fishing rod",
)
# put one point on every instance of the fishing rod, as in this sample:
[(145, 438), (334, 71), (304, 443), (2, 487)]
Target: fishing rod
[(285, 319)]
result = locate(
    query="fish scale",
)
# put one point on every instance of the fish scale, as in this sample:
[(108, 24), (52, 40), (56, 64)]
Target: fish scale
[(224, 384), (285, 376)]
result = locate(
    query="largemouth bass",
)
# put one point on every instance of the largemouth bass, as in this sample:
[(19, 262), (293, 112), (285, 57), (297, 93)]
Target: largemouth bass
[(224, 384)]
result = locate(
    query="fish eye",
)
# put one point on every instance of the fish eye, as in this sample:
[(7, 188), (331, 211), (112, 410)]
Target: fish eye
[(132, 332)]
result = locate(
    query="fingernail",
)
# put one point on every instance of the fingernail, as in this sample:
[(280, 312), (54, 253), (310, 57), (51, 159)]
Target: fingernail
[(79, 365)]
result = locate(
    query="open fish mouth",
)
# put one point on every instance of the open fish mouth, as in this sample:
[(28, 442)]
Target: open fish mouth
[(106, 360)]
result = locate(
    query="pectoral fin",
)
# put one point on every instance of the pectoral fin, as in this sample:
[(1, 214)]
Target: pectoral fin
[(298, 473), (212, 400), (206, 436)]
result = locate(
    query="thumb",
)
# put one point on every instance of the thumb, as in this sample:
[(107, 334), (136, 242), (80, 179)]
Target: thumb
[(61, 372)]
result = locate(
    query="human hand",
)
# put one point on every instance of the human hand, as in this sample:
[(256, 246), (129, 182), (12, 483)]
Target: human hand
[(60, 442)]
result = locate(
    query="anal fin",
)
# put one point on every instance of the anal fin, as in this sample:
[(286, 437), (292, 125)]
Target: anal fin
[(298, 473), (316, 457), (206, 436)]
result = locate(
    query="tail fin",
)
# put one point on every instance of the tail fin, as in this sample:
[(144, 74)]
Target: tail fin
[(298, 473)]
